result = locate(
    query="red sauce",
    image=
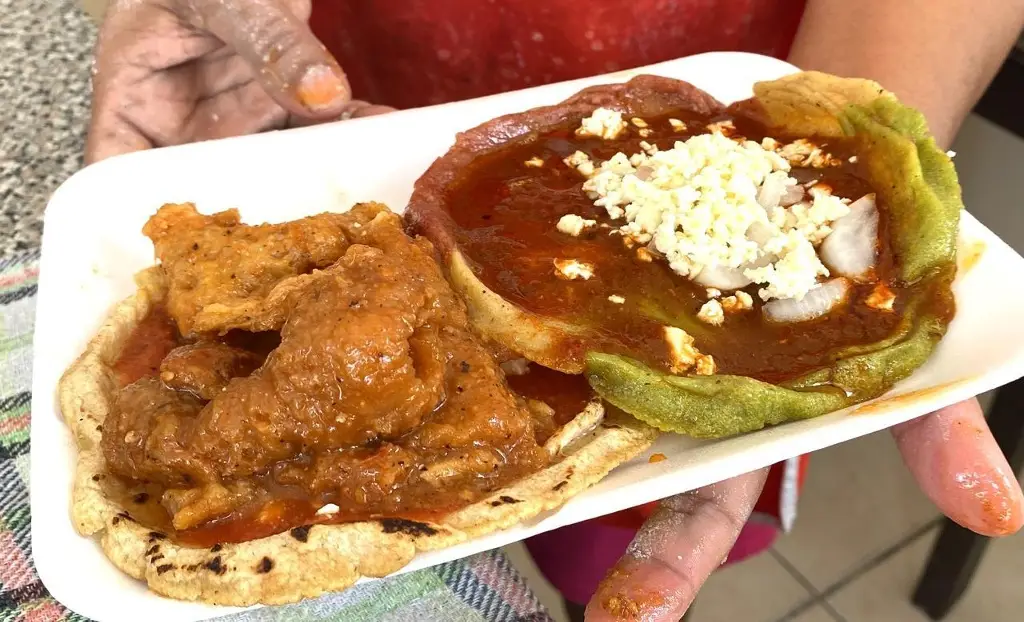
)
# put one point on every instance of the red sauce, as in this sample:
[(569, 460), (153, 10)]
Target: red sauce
[(149, 343), (251, 524), (277, 516), (507, 214), (567, 394)]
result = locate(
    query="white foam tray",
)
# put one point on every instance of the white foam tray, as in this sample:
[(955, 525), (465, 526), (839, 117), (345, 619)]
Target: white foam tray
[(93, 245)]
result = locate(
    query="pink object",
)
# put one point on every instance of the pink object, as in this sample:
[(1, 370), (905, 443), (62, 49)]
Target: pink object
[(575, 558)]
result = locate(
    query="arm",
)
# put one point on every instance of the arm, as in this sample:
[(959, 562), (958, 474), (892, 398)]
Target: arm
[(936, 55)]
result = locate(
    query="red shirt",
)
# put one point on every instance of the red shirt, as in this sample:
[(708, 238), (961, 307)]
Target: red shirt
[(408, 53)]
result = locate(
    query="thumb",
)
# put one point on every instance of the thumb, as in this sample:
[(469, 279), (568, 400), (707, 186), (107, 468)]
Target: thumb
[(676, 550), (288, 60)]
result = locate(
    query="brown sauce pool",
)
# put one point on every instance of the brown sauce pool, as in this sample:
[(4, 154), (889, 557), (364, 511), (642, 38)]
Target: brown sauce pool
[(507, 212)]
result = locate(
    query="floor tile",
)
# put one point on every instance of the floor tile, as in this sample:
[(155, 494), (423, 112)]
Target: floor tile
[(756, 590), (858, 501), (995, 593), (814, 614), (884, 592), (546, 592)]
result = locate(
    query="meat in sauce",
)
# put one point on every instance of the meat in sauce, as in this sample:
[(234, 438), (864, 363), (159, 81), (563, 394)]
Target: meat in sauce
[(205, 368), (378, 400), (222, 273)]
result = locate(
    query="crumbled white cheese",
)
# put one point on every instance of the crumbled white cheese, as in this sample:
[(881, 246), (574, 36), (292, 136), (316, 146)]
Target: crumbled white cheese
[(680, 348), (571, 269), (515, 367), (803, 152), (740, 301), (573, 225), (812, 219), (714, 292), (725, 127), (645, 132), (794, 274), (881, 298), (853, 159), (951, 154), (330, 508), (705, 365), (534, 162), (684, 355), (602, 123), (617, 299), (697, 205), (677, 125), (637, 121), (711, 313), (648, 148), (581, 162)]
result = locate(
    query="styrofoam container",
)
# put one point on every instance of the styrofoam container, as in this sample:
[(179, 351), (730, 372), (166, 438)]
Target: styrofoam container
[(93, 246)]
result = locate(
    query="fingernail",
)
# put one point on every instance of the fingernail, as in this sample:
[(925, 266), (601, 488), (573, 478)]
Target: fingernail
[(322, 88)]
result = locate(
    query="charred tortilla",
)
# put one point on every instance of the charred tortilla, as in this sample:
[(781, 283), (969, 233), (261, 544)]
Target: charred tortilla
[(306, 560), (885, 150)]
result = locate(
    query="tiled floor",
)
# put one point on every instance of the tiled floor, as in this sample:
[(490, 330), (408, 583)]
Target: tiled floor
[(864, 530)]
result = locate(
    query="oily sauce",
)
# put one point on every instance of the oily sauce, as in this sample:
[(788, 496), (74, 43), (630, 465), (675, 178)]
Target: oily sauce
[(506, 214), (149, 343)]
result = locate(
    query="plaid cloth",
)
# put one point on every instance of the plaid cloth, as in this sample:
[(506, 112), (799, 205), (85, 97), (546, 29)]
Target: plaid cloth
[(481, 588)]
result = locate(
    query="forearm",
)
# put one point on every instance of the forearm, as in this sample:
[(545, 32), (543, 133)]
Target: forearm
[(936, 55)]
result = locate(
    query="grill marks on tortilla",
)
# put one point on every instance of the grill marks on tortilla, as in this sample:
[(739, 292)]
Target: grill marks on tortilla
[(408, 527), (216, 566)]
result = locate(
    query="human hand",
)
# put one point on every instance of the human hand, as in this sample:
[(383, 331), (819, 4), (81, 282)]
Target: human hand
[(169, 72), (951, 453)]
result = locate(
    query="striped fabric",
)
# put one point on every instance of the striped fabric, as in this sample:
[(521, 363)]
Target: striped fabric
[(483, 588)]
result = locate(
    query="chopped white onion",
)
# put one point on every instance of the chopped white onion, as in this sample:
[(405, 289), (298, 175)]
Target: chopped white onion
[(771, 191), (792, 196), (721, 277), (515, 367), (760, 233), (816, 303), (851, 248), (330, 508)]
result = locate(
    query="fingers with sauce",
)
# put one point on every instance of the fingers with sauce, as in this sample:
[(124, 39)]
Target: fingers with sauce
[(675, 551), (958, 464), (272, 37), (169, 72)]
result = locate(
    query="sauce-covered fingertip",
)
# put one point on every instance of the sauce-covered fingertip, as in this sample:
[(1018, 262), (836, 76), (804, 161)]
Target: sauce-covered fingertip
[(323, 89), (1000, 510)]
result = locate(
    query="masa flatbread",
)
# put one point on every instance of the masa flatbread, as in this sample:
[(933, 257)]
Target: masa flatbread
[(306, 561)]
